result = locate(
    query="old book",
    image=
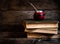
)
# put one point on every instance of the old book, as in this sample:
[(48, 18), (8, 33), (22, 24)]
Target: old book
[(48, 31), (42, 25), (37, 35), (51, 29)]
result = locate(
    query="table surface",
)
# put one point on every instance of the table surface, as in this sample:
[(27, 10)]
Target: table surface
[(29, 41)]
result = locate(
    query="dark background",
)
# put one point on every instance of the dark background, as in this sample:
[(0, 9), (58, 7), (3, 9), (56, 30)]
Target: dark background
[(14, 12)]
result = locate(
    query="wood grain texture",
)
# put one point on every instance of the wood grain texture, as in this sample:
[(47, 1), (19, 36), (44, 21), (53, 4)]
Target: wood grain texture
[(23, 5)]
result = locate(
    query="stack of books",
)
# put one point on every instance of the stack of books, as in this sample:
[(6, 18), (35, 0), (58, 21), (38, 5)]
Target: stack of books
[(37, 28)]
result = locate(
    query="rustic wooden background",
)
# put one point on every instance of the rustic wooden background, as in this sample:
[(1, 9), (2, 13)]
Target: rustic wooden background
[(23, 4), (12, 11)]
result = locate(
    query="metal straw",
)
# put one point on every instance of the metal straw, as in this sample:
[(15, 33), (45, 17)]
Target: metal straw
[(33, 6)]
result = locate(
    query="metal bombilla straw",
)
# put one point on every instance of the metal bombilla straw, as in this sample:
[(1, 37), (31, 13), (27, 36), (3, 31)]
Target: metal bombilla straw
[(33, 6)]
